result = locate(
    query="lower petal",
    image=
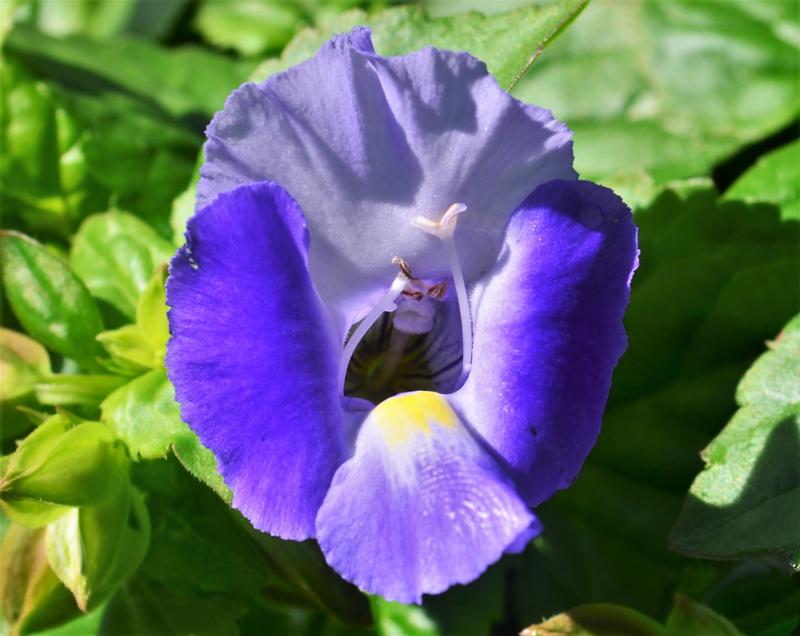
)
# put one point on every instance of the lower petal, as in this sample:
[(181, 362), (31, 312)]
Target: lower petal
[(421, 506)]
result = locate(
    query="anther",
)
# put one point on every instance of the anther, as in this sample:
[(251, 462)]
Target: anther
[(404, 267)]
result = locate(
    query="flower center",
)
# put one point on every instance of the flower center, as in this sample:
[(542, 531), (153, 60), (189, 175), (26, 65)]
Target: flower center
[(407, 341)]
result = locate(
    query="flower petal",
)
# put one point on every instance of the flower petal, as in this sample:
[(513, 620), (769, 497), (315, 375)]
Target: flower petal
[(253, 357), (420, 506), (548, 332), (383, 140)]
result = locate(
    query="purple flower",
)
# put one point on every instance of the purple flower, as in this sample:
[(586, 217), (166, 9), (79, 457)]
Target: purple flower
[(397, 313)]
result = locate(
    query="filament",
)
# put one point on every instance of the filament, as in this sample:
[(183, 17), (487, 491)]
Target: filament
[(445, 229), (386, 303)]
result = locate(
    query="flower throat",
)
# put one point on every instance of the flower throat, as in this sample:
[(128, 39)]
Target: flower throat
[(406, 342)]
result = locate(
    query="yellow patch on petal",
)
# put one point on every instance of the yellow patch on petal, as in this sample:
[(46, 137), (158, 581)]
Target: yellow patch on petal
[(402, 415)]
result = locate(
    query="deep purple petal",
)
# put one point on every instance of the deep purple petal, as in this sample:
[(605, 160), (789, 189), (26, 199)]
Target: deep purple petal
[(253, 357), (548, 332), (365, 143), (420, 506)]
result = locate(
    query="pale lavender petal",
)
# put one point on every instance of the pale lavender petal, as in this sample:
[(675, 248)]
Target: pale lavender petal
[(365, 143)]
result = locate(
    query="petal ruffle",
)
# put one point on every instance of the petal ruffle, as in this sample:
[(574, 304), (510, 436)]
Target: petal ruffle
[(549, 332), (253, 357), (420, 506), (383, 140)]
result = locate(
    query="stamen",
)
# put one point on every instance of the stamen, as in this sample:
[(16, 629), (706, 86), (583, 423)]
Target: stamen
[(404, 267), (445, 229), (386, 303)]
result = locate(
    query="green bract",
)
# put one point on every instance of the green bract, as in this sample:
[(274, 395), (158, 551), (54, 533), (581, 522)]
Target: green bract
[(95, 548), (62, 463), (31, 595)]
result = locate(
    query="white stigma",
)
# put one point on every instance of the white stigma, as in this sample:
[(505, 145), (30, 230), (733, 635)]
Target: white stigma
[(386, 303), (445, 229)]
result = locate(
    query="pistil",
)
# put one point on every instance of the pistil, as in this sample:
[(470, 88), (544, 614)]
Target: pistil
[(444, 229)]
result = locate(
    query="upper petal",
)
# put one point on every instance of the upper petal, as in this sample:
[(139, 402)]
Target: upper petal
[(253, 357), (420, 506), (365, 143), (548, 332)]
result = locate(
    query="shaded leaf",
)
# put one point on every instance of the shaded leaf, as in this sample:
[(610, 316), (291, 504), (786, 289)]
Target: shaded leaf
[(144, 607), (693, 619), (167, 77), (747, 500)]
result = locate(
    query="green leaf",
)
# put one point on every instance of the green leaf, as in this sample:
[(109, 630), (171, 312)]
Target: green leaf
[(601, 619), (23, 361), (251, 28), (471, 610), (508, 42), (126, 137), (657, 91), (775, 178), (44, 180), (143, 413), (116, 255), (59, 464), (94, 549), (746, 502), (103, 19), (68, 390), (141, 346), (167, 77), (393, 619), (693, 619), (201, 463), (31, 596), (49, 300)]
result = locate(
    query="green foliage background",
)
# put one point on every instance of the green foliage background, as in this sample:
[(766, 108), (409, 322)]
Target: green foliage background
[(686, 517)]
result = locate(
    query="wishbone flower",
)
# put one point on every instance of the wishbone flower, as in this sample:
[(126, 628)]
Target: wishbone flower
[(397, 313)]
